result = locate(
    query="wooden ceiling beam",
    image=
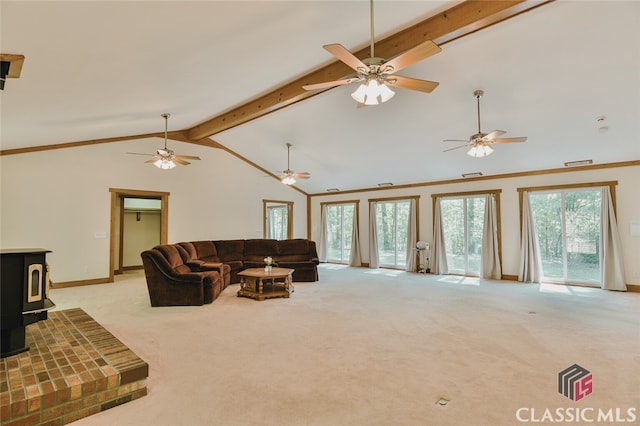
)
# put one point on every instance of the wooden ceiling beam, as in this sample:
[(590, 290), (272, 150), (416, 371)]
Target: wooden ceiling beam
[(458, 21), (178, 135)]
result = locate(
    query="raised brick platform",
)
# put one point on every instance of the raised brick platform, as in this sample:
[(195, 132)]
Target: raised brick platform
[(74, 368)]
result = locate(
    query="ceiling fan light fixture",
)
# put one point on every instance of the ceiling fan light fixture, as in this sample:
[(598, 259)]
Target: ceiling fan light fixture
[(373, 72), (479, 151), (372, 92), (164, 163), (164, 158), (360, 93), (386, 93), (288, 180), (288, 176)]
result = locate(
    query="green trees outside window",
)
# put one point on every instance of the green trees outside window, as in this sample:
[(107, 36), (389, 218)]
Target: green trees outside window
[(339, 231), (392, 220), (463, 222), (567, 224)]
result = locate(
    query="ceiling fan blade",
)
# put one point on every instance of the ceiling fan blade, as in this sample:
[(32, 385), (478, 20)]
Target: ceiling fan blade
[(413, 55), (302, 175), (187, 157), (494, 134), (181, 161), (154, 159), (412, 83), (456, 140), (138, 153), (509, 140), (455, 147), (340, 52), (329, 84)]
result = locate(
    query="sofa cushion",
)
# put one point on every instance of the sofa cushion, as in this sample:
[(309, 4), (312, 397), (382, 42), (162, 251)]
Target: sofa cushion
[(230, 250), (256, 250), (174, 257), (189, 255), (190, 250), (206, 250), (296, 246)]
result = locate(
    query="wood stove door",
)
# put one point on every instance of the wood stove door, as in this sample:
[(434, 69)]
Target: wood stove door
[(34, 281)]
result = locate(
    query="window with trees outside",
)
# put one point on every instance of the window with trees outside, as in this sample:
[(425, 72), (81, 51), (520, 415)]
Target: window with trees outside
[(392, 221), (339, 219), (277, 219), (463, 223), (567, 226)]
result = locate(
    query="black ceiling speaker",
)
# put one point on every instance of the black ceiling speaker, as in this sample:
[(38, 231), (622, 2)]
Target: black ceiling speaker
[(4, 70), (10, 67)]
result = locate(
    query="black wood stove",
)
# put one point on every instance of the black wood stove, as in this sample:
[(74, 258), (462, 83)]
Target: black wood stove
[(24, 284)]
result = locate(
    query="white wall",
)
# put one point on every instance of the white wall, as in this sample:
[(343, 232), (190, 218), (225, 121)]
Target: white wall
[(60, 199), (628, 208)]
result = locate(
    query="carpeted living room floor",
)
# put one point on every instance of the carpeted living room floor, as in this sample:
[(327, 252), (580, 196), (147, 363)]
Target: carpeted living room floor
[(371, 347)]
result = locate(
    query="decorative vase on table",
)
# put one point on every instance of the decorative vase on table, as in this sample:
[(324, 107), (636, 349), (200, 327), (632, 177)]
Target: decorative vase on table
[(268, 264)]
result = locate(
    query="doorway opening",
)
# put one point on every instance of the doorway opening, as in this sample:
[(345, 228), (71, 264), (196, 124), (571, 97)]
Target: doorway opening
[(129, 207)]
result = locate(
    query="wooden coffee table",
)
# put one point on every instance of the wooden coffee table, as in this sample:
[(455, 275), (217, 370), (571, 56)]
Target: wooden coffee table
[(259, 284)]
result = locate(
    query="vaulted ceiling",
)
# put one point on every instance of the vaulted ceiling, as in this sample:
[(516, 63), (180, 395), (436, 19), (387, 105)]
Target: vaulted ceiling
[(230, 73)]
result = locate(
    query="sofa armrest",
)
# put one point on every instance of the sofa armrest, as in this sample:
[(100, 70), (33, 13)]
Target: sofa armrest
[(211, 265), (183, 278), (162, 267), (195, 265)]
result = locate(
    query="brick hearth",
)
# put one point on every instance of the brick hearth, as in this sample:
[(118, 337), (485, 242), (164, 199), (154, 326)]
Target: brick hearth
[(74, 368)]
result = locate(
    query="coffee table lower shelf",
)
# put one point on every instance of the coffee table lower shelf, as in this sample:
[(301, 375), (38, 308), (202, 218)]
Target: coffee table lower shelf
[(258, 284)]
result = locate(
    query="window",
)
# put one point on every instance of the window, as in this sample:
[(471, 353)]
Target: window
[(339, 232), (277, 219), (463, 223), (392, 221), (567, 226)]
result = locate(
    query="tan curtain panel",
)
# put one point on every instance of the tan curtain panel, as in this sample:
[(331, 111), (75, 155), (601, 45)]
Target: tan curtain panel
[(355, 259), (611, 263), (490, 255), (412, 229), (322, 243), (439, 253), (530, 263)]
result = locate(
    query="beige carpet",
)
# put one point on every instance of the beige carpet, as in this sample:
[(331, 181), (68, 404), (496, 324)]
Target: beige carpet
[(371, 347)]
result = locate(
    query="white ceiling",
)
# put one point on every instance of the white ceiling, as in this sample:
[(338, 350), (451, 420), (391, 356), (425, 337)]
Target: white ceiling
[(108, 69)]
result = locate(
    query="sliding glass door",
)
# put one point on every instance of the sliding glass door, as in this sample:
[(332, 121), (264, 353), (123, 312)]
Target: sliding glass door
[(463, 222), (392, 221), (567, 225), (339, 232)]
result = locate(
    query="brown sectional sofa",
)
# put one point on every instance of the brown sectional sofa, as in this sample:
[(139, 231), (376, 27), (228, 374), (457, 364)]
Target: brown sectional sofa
[(196, 272)]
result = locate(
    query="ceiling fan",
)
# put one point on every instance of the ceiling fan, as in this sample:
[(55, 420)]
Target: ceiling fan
[(480, 143), (288, 177), (376, 74), (165, 158)]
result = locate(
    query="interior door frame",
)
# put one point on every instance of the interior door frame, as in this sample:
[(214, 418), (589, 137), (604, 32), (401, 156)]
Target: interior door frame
[(119, 193)]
